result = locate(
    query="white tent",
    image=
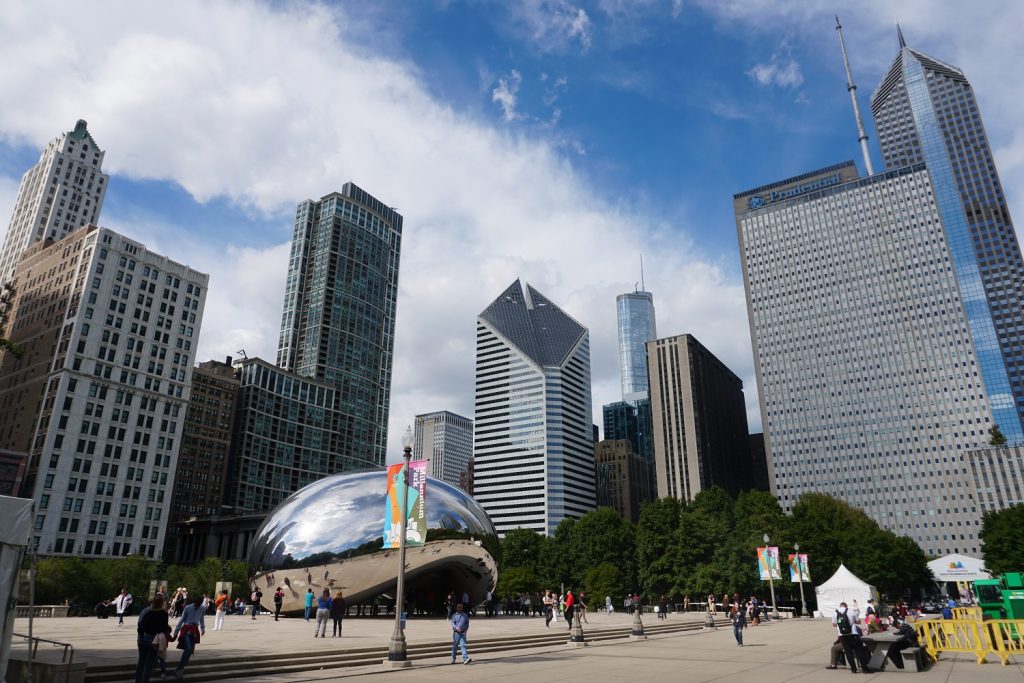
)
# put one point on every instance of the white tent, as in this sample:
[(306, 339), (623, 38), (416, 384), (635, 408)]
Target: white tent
[(843, 587), (958, 567), (14, 533)]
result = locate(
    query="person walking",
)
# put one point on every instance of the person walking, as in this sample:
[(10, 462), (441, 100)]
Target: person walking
[(711, 603), (739, 621), (582, 605), (221, 605), (309, 602), (570, 608), (191, 627), (549, 608), (323, 613), (608, 604), (153, 622), (256, 596), (278, 602), (460, 626), (121, 603), (686, 603), (338, 609), (662, 607)]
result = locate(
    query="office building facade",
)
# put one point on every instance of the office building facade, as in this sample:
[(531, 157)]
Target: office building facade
[(60, 194), (338, 324), (446, 440), (699, 420), (865, 349), (201, 473), (636, 327), (997, 473), (622, 482), (533, 448), (108, 329), (926, 112)]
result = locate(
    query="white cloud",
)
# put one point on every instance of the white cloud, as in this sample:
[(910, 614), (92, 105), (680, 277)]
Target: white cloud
[(780, 70), (552, 25), (266, 106), (506, 95)]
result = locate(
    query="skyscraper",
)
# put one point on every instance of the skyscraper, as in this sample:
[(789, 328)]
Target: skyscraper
[(621, 478), (864, 349), (99, 398), (533, 448), (338, 324), (700, 420), (446, 440), (61, 193), (636, 328), (925, 111)]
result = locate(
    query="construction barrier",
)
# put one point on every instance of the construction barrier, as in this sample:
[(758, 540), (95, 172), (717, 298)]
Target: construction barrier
[(967, 613), (1001, 637)]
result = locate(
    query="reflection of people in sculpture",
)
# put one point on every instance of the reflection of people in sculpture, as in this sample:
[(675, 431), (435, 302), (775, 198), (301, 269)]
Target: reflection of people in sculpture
[(411, 497)]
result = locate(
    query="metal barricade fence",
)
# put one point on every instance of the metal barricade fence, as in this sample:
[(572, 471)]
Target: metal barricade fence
[(1001, 637)]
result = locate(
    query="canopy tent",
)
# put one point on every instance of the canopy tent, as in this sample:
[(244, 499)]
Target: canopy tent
[(14, 533), (958, 567), (843, 587)]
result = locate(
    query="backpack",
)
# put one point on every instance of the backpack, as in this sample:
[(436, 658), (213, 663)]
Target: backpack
[(253, 596), (843, 623)]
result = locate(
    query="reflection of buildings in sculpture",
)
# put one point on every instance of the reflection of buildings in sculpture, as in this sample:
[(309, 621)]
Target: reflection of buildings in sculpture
[(330, 535), (446, 440)]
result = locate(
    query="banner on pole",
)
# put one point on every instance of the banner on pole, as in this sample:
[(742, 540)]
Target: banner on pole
[(798, 568), (415, 503), (768, 563)]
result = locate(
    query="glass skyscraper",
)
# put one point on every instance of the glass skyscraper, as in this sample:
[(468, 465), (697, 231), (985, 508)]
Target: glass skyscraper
[(636, 328), (338, 325), (533, 447), (925, 111)]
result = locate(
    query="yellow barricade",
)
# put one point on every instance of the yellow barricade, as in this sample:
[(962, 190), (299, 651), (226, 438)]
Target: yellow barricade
[(967, 613), (1001, 637)]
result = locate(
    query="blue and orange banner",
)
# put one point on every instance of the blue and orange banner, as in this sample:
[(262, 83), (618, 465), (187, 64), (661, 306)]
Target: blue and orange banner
[(799, 570), (415, 503), (768, 563)]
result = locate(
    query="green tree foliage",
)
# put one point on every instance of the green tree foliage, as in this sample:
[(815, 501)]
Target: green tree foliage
[(656, 547), (601, 537), (522, 548), (996, 436), (516, 580), (1002, 533), (604, 580)]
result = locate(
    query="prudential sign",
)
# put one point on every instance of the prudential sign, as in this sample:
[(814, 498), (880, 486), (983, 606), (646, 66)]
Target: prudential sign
[(759, 201)]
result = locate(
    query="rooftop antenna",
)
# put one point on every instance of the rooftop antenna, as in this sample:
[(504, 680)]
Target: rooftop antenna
[(899, 34), (643, 287), (862, 137)]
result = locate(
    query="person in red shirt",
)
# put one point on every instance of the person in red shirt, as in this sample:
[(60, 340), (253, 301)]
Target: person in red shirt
[(570, 608)]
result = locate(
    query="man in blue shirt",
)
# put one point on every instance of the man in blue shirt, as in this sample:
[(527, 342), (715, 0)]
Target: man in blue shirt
[(460, 625)]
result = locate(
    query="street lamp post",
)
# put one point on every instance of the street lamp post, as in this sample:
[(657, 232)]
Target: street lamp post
[(638, 626), (800, 577), (396, 648), (771, 582)]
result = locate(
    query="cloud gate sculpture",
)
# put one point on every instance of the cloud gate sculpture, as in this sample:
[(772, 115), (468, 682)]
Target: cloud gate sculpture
[(330, 535)]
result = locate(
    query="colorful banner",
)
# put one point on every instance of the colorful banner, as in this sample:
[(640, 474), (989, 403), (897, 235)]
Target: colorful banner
[(768, 563), (415, 503), (798, 568)]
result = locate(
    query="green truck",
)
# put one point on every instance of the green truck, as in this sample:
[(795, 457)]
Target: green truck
[(1001, 597)]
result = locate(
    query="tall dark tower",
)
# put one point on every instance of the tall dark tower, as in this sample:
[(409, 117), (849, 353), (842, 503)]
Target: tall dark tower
[(925, 111)]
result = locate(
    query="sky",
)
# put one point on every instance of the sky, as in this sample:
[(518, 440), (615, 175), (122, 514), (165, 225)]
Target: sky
[(553, 140)]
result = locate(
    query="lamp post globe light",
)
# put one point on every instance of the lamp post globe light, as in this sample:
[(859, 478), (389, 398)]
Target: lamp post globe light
[(396, 647), (771, 582), (800, 578)]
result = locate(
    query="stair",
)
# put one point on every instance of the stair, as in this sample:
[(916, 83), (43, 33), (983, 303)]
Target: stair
[(225, 667)]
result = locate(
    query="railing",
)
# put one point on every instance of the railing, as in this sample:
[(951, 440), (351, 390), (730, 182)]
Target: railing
[(967, 613), (66, 658), (41, 611), (1001, 637)]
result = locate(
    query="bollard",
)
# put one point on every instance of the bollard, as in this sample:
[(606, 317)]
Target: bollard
[(638, 626)]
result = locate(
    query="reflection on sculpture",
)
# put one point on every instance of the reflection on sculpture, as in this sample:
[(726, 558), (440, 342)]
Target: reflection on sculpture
[(330, 535)]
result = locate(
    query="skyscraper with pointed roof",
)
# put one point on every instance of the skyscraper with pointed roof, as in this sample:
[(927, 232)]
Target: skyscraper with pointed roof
[(925, 111), (532, 444), (60, 194)]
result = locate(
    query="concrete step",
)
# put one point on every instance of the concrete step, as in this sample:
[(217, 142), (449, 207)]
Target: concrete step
[(225, 666)]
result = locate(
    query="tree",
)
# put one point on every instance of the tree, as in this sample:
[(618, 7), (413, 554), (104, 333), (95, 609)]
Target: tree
[(521, 548), (656, 546), (516, 580), (599, 537), (996, 437), (1002, 532), (604, 580)]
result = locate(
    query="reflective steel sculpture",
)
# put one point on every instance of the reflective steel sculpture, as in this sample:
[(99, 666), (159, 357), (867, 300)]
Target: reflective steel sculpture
[(330, 535)]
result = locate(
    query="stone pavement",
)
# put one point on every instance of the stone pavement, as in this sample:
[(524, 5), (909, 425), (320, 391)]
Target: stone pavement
[(794, 650)]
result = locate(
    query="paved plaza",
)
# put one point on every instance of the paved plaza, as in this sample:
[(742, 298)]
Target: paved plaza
[(794, 650)]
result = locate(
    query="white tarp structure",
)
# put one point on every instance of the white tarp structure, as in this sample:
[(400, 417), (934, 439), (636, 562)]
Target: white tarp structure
[(958, 567), (843, 587), (16, 514)]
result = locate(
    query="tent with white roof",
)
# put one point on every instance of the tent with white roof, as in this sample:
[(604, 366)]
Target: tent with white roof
[(844, 586), (958, 567)]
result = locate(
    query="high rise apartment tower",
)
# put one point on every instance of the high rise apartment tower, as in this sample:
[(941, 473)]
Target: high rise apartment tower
[(925, 111), (338, 324), (533, 446), (636, 327), (446, 440), (61, 193)]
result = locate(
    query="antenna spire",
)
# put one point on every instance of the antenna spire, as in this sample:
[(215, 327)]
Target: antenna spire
[(643, 287), (862, 136), (899, 34)]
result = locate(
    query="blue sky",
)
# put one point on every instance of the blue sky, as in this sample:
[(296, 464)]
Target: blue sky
[(555, 140)]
